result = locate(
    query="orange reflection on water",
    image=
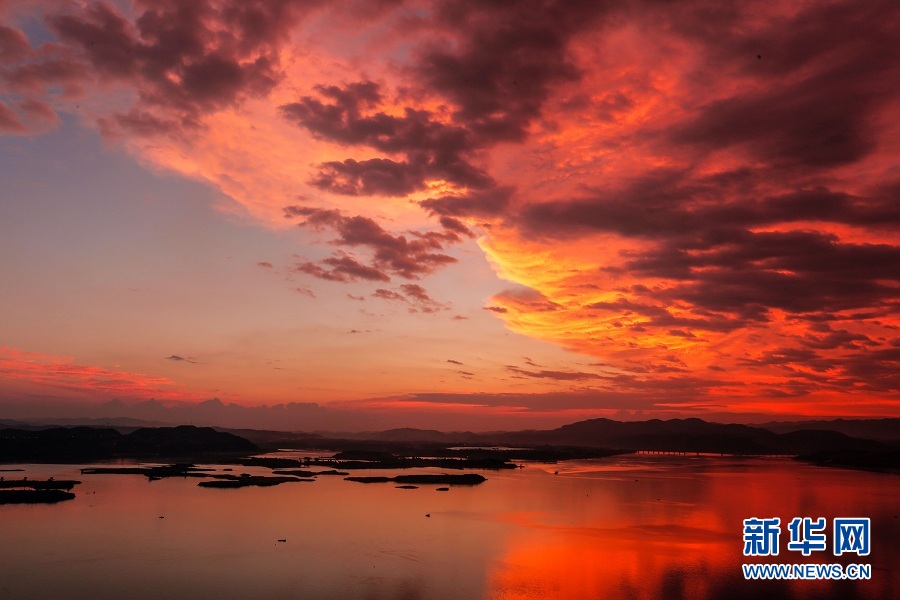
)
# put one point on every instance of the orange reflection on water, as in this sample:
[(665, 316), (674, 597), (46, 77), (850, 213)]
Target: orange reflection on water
[(676, 532), (595, 562)]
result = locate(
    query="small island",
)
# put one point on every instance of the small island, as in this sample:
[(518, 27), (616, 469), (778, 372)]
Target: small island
[(425, 479), (34, 496), (23, 491), (246, 480)]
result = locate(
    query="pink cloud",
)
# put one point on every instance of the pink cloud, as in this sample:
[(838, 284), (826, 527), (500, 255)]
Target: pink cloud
[(60, 375)]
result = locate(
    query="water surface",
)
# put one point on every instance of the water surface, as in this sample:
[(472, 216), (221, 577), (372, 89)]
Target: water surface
[(626, 527)]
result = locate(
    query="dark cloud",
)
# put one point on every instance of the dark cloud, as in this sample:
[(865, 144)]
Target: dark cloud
[(677, 203), (420, 298), (343, 117), (598, 397), (412, 294), (176, 358), (388, 295), (373, 177), (795, 271), (478, 203), (822, 337), (550, 374), (185, 59), (507, 60), (455, 362), (342, 268), (409, 257), (788, 121), (431, 149), (720, 264), (456, 226), (416, 292), (814, 368), (873, 370), (265, 265), (681, 333)]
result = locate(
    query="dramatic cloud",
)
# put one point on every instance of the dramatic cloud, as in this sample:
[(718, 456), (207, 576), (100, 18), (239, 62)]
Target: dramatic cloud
[(432, 150), (407, 257), (702, 198), (506, 61), (186, 59), (738, 212)]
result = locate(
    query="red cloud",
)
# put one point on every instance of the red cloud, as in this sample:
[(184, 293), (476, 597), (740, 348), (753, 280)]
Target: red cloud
[(63, 376)]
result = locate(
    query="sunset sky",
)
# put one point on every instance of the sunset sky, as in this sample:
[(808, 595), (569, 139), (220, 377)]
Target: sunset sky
[(456, 215)]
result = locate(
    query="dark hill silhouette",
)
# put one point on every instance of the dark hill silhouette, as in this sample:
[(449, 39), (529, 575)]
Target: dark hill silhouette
[(675, 435), (690, 435), (77, 444), (871, 429), (815, 440), (885, 459), (182, 440), (598, 436)]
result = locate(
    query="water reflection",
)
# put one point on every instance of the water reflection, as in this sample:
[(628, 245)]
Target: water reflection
[(664, 527), (629, 527)]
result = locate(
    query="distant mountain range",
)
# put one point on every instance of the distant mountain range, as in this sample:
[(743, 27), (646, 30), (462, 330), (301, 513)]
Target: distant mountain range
[(873, 429), (839, 442), (592, 432), (118, 423), (675, 435)]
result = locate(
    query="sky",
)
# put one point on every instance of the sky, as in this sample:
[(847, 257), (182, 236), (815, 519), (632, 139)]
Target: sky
[(454, 215)]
